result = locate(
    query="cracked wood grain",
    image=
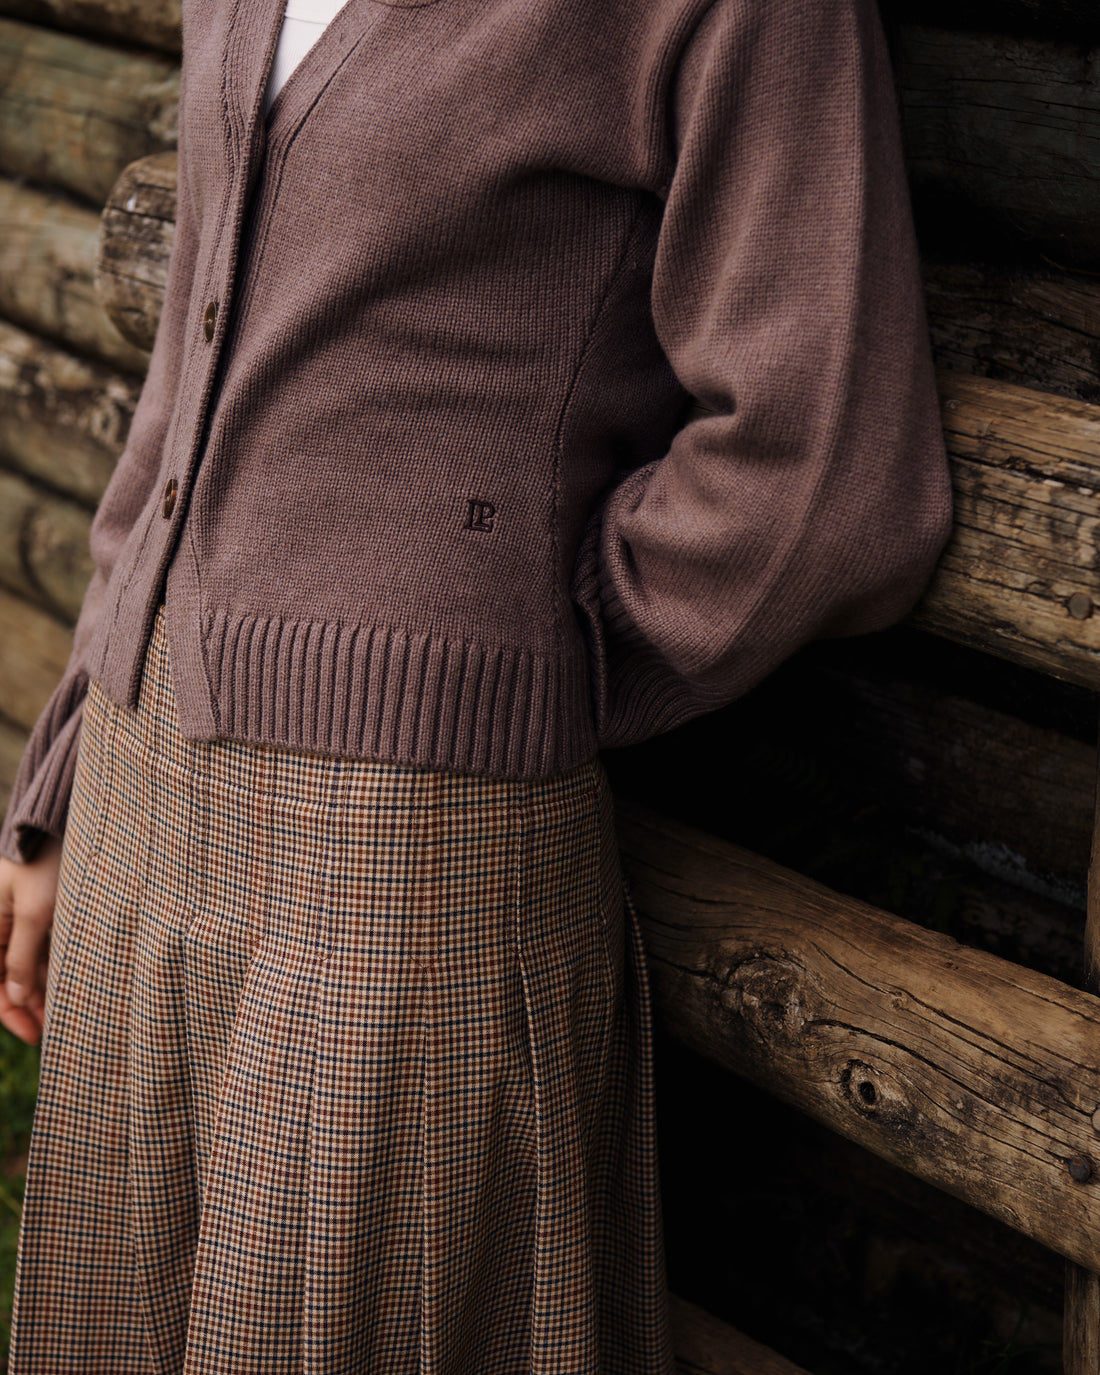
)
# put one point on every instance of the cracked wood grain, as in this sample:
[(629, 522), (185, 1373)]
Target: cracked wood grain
[(969, 1072)]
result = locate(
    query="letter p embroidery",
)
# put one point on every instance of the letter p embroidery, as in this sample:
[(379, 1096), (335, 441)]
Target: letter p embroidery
[(480, 515)]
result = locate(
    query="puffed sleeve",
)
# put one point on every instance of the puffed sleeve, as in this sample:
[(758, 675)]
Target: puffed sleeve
[(813, 498), (40, 798)]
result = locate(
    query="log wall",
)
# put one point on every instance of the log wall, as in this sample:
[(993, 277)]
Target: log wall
[(967, 787)]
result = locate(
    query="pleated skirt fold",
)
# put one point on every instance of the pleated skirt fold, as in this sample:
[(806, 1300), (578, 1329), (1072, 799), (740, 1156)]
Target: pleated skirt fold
[(346, 1069)]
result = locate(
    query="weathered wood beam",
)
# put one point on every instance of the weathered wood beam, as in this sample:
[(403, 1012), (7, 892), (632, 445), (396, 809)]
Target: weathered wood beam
[(146, 23), (1081, 1334), (971, 1073), (74, 112), (1011, 125), (48, 250), (1038, 329), (136, 232), (34, 650), (1021, 574), (955, 767), (63, 420), (43, 546), (705, 1345)]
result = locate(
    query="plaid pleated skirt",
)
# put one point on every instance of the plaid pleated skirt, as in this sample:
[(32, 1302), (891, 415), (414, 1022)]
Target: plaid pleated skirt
[(346, 1069)]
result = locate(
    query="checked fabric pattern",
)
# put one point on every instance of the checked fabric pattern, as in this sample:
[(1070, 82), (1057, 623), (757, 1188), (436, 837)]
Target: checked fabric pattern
[(346, 1069)]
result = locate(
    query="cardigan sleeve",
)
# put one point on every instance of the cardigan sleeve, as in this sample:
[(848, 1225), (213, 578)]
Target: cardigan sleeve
[(812, 498), (40, 797)]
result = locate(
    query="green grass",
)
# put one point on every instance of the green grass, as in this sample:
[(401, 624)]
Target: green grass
[(18, 1083)]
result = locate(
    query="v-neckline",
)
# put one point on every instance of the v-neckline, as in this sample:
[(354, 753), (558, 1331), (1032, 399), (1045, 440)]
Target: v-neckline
[(309, 78), (252, 40)]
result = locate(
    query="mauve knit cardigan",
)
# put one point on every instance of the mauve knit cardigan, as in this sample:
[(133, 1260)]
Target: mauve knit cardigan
[(410, 468)]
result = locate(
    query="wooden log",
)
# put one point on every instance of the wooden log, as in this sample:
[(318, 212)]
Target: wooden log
[(1010, 125), (44, 553), (145, 23), (705, 1345), (829, 1248), (1081, 1339), (1021, 574), (34, 650), (47, 275), (73, 112), (969, 1072), (63, 420), (1038, 329), (959, 769), (136, 233)]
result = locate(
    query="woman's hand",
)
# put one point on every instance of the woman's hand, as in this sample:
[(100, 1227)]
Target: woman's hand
[(28, 893)]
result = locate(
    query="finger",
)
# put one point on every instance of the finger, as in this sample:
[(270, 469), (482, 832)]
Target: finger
[(20, 1021), (26, 950)]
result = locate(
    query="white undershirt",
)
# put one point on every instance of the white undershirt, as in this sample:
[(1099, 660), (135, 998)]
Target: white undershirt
[(303, 23)]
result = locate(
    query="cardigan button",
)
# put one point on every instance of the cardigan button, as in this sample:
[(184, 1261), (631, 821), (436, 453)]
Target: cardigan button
[(170, 497), (209, 320)]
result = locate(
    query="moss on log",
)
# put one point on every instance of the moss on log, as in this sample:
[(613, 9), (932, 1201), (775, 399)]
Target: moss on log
[(74, 112)]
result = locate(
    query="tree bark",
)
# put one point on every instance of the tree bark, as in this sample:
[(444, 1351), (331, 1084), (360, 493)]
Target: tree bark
[(973, 1074), (1076, 20), (74, 113), (13, 741), (47, 275)]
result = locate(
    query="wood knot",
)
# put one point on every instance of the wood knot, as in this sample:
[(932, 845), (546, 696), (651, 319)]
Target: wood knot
[(767, 990), (860, 1085)]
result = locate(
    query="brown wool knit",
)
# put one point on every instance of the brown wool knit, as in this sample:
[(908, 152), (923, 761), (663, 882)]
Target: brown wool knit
[(410, 471)]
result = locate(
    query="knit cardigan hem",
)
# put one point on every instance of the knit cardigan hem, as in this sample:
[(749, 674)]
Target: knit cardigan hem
[(382, 692)]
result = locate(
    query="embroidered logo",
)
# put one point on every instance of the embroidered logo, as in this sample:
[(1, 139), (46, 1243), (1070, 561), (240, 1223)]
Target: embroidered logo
[(480, 515)]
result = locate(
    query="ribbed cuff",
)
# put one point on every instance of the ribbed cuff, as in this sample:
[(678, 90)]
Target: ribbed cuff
[(636, 692), (40, 798)]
